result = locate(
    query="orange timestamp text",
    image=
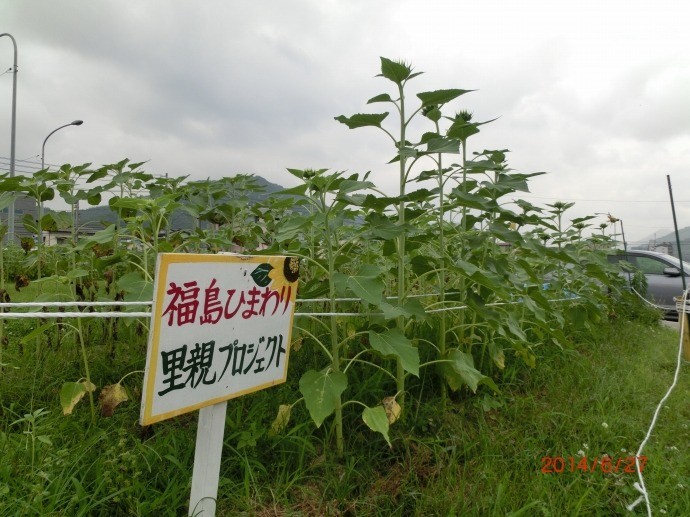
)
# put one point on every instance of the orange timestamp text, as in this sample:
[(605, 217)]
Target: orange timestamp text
[(605, 464)]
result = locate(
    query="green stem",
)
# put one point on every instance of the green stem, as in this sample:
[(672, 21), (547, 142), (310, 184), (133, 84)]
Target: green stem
[(39, 241), (436, 361), (317, 321), (2, 266), (428, 342), (463, 224), (86, 369), (318, 341), (441, 276), (82, 344), (130, 373), (400, 321), (355, 360), (492, 218), (355, 402), (2, 286), (335, 349), (74, 221)]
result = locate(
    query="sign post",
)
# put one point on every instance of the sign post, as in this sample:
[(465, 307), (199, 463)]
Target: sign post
[(207, 454), (220, 328)]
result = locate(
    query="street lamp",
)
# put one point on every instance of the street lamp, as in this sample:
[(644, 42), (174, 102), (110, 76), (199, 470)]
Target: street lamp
[(43, 148), (10, 214), (75, 205)]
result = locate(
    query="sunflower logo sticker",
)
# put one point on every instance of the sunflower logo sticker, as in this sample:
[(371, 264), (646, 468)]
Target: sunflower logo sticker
[(279, 274)]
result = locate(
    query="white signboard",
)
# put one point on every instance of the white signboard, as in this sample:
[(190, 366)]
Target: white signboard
[(220, 328)]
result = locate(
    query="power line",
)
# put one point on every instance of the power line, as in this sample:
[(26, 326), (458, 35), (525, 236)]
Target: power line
[(602, 200), (31, 167)]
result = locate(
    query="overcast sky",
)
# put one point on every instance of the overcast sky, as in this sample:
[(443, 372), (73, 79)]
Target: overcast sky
[(596, 93)]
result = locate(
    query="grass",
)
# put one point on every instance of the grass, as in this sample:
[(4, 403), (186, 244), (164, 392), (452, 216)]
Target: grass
[(481, 456), (594, 399)]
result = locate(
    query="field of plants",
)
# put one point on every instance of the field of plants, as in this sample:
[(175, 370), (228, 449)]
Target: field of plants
[(421, 313)]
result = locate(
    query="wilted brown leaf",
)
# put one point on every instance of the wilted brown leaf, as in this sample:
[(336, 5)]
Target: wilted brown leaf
[(500, 359), (392, 409), (89, 386), (110, 397), (281, 420), (73, 392)]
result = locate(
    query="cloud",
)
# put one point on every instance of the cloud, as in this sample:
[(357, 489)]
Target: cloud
[(597, 98)]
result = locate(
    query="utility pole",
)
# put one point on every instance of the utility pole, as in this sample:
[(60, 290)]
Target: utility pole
[(13, 138)]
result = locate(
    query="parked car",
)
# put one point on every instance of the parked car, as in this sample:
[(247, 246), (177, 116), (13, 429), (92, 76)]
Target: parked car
[(663, 274)]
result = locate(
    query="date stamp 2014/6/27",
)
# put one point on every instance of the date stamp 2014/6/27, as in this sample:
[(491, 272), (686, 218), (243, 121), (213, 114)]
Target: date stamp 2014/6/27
[(605, 464)]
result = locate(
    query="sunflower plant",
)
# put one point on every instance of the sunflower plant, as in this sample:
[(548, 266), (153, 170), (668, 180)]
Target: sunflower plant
[(329, 233), (453, 272), (411, 242)]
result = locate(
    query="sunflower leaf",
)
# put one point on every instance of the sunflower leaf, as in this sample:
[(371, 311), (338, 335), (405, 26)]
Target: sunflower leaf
[(72, 392), (393, 343), (367, 284), (376, 420), (322, 391)]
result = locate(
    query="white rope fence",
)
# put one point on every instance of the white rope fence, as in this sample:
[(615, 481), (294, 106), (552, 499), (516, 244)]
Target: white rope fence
[(640, 485), (147, 314), (72, 304), (65, 314), (647, 301), (58, 315)]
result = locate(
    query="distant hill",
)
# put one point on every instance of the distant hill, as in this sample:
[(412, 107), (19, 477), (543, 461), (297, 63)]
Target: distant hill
[(667, 243), (684, 235), (103, 215)]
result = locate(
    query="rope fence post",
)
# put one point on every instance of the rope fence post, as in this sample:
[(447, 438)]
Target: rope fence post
[(686, 337), (684, 324)]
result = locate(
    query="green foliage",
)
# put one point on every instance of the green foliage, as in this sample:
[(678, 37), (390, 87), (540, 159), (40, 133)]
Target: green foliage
[(479, 454), (393, 343), (322, 392), (447, 290), (377, 420), (71, 393), (13, 262), (459, 371)]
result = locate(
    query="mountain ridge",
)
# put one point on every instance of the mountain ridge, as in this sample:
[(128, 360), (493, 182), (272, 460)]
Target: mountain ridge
[(102, 216)]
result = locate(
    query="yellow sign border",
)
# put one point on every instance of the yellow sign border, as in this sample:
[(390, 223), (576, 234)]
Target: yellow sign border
[(160, 283)]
